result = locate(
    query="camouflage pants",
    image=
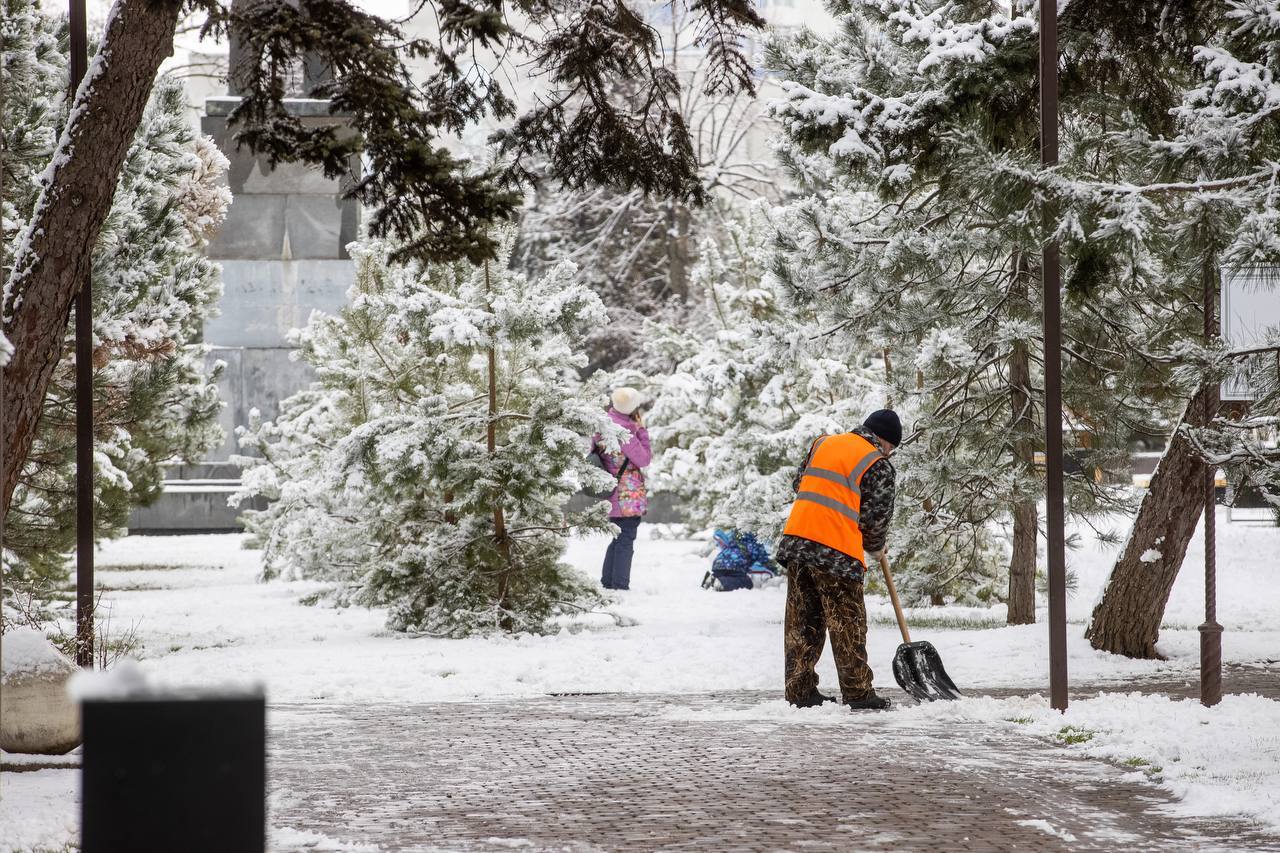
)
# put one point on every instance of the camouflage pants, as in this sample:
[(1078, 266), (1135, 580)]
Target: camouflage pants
[(818, 603)]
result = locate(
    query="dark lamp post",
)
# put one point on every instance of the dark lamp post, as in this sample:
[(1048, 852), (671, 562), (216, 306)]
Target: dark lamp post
[(1210, 631), (1055, 520), (84, 397)]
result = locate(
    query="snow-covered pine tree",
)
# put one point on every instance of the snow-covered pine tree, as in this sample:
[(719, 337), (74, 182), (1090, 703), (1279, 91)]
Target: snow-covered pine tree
[(931, 108), (1206, 201), (155, 402), (428, 467), (750, 380), (743, 387)]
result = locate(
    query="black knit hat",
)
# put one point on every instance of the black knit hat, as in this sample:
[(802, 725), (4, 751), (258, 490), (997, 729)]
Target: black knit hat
[(885, 424)]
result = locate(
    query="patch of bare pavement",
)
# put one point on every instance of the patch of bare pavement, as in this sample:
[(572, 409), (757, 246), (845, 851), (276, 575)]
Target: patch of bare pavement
[(620, 772)]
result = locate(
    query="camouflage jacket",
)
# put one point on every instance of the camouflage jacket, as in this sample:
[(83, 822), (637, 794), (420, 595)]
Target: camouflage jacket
[(874, 516)]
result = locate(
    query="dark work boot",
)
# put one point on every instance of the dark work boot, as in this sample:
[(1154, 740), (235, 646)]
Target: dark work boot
[(870, 702), (813, 700)]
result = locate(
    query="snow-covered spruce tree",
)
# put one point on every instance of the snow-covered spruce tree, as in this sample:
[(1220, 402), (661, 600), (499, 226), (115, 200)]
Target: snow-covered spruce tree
[(428, 467), (931, 109), (153, 288)]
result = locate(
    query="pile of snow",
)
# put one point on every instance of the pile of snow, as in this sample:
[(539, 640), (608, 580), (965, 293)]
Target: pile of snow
[(127, 680), (1220, 761), (38, 716), (27, 653)]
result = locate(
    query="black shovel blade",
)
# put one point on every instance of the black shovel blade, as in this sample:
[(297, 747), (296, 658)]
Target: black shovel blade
[(918, 669)]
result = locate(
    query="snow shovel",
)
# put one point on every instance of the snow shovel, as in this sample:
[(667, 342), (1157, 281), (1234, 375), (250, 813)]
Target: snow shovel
[(917, 667)]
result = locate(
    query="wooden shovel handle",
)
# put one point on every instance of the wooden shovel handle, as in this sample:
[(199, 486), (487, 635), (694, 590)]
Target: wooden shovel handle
[(893, 596)]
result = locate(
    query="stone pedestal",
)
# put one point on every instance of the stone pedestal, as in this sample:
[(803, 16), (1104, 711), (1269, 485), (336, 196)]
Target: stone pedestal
[(283, 255), (36, 714)]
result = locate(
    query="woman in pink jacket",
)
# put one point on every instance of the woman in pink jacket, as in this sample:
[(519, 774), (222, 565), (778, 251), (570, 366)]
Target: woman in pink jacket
[(630, 498)]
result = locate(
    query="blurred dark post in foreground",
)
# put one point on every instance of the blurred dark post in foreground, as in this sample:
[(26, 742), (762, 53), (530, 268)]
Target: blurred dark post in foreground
[(166, 774)]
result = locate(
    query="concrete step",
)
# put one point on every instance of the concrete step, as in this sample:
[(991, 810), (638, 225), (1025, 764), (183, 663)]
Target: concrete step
[(193, 506), (199, 505)]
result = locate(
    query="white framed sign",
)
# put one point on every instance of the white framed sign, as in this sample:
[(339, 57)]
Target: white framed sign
[(1249, 305)]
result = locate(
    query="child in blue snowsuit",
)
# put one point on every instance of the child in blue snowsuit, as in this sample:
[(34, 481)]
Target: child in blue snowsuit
[(741, 555)]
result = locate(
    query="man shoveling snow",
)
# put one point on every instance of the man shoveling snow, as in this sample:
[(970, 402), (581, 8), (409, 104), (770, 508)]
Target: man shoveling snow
[(844, 501)]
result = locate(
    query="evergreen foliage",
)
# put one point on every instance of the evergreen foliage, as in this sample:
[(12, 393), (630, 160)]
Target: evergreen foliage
[(1227, 133), (428, 467), (745, 386), (636, 249), (1167, 175), (155, 401), (749, 384), (917, 128), (435, 204)]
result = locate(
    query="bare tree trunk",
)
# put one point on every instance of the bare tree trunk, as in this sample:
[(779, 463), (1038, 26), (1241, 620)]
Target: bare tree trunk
[(1022, 565), (888, 378), (4, 455), (54, 257), (499, 518), (1127, 619)]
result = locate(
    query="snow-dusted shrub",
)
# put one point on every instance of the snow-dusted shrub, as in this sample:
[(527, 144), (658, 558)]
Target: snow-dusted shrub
[(428, 467)]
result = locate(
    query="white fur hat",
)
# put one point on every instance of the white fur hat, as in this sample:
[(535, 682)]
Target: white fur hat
[(627, 400)]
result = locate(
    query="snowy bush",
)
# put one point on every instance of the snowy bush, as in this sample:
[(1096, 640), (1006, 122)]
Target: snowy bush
[(428, 467)]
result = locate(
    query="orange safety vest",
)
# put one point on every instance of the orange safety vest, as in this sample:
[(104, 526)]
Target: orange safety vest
[(830, 494)]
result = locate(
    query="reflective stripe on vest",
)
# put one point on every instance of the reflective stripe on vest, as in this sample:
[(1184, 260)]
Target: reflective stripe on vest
[(828, 502)]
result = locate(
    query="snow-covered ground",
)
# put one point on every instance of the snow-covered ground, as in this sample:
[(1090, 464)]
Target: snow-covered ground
[(39, 810), (203, 618), (1218, 762)]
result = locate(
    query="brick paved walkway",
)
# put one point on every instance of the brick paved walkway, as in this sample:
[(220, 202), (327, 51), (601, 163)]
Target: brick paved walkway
[(1236, 678), (616, 772)]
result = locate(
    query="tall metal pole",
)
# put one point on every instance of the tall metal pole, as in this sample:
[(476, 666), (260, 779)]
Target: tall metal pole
[(1051, 270), (84, 398), (4, 457), (1210, 631)]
